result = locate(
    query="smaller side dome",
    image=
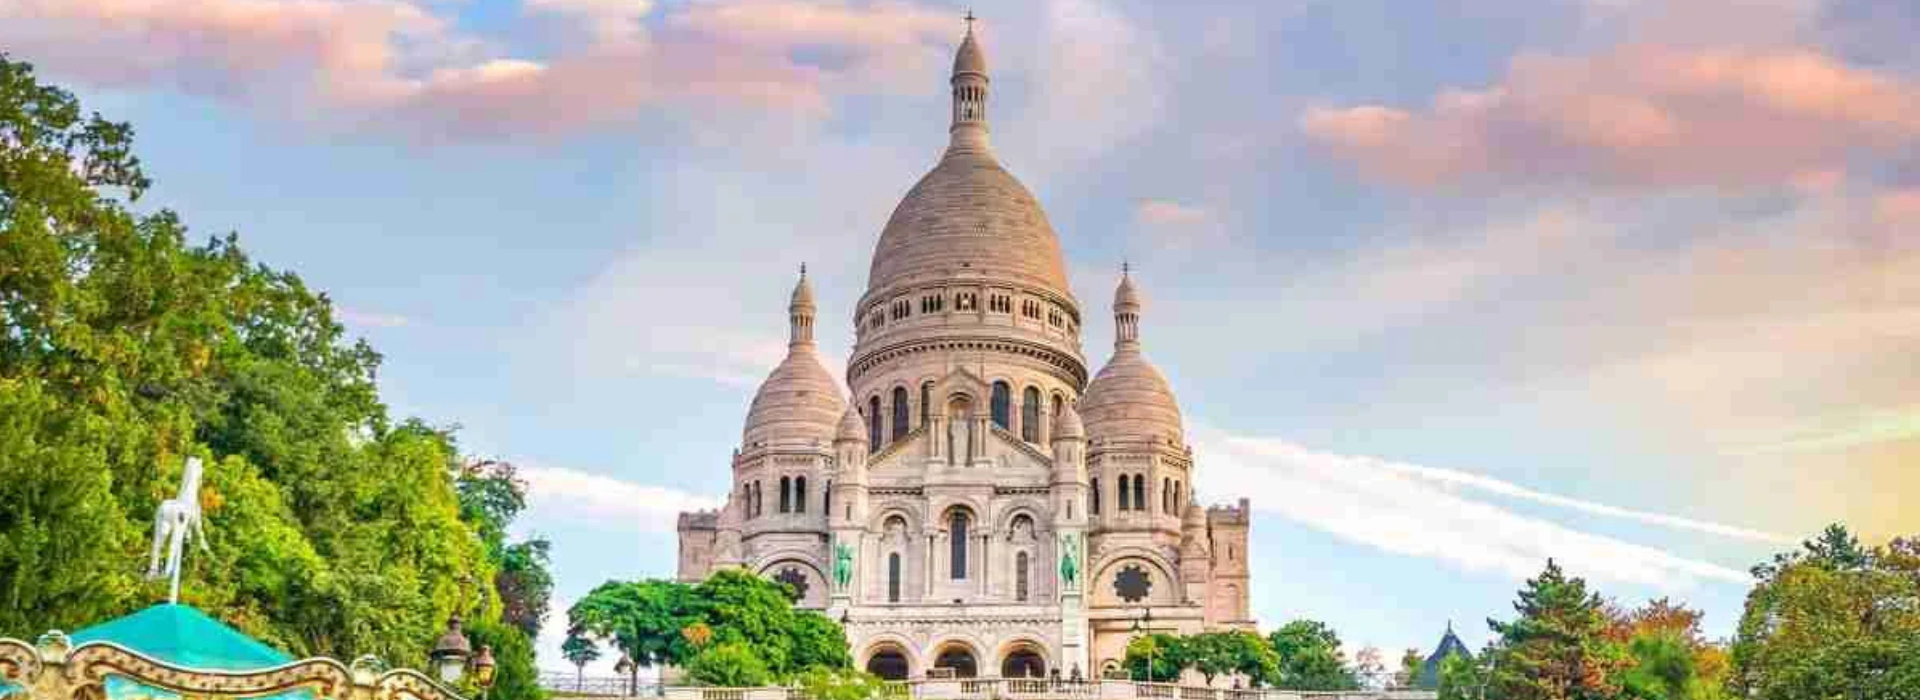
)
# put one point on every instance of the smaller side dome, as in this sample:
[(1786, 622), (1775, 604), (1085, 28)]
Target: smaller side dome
[(1068, 424), (1129, 399), (851, 428)]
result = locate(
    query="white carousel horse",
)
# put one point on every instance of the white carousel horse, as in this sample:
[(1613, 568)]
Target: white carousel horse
[(177, 520)]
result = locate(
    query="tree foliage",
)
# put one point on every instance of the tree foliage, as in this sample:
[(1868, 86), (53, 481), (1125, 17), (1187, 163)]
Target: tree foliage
[(1309, 658), (1556, 648), (1157, 657), (1832, 620), (333, 529), (658, 622)]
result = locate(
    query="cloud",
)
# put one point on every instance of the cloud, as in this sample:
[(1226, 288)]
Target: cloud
[(1071, 118), (404, 65), (1401, 509), (559, 492), (1497, 487), (1166, 225), (1635, 116)]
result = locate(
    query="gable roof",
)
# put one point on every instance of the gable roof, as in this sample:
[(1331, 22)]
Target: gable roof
[(1429, 678)]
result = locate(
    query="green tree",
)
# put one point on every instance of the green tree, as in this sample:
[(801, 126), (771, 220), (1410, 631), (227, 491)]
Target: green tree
[(1309, 658), (642, 619), (579, 651), (333, 529), (1833, 620), (1556, 649), (729, 665), (1462, 678), (1166, 653)]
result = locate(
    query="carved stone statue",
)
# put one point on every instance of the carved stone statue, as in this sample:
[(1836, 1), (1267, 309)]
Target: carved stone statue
[(959, 440), (1069, 564), (842, 565), (177, 519)]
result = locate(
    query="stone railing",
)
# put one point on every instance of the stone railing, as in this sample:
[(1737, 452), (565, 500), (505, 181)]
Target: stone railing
[(1042, 689)]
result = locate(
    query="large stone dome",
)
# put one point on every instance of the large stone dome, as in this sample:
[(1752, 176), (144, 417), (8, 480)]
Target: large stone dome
[(968, 215)]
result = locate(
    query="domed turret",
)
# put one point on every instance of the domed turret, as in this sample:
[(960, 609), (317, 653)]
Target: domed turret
[(1129, 400), (851, 429), (800, 399), (1068, 424)]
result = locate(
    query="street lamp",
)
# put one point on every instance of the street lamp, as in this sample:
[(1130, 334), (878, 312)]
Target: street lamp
[(450, 653), (625, 667), (1139, 623), (483, 668)]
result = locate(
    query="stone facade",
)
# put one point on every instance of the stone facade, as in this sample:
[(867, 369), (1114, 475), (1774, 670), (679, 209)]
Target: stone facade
[(983, 526)]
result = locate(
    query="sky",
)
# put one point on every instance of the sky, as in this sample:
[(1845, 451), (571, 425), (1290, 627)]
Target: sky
[(1445, 289)]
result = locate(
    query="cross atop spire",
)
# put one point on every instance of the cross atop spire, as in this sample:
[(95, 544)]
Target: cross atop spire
[(1125, 267), (970, 18), (803, 269)]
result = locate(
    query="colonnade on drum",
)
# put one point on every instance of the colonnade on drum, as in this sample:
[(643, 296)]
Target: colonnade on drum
[(895, 661)]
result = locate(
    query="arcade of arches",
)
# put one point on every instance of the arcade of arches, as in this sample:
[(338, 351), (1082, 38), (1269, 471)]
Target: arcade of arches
[(890, 661)]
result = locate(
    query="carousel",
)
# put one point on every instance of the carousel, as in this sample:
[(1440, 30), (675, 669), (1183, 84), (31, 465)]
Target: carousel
[(176, 652)]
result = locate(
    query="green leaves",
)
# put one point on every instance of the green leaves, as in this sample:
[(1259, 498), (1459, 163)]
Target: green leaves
[(1310, 658), (665, 622), (332, 530), (1834, 620)]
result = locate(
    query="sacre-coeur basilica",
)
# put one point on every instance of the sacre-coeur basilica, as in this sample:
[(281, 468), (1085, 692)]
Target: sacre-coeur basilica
[(979, 506)]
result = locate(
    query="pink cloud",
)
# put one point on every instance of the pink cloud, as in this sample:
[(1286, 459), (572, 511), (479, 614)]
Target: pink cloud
[(400, 65), (1637, 116)]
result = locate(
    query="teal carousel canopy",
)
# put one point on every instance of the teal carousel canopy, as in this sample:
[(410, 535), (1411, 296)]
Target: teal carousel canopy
[(180, 636), (183, 636)]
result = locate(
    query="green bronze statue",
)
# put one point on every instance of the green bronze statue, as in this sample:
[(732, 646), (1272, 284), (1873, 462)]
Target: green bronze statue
[(1069, 567), (842, 565)]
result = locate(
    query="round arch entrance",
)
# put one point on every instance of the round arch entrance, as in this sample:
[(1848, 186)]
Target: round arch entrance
[(959, 658), (1023, 661), (889, 662)]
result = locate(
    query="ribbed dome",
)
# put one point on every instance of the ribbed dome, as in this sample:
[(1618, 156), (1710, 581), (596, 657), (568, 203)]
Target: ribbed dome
[(1129, 399), (966, 214), (799, 400)]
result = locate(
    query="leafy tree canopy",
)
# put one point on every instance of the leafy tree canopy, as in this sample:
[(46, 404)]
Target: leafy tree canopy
[(333, 529)]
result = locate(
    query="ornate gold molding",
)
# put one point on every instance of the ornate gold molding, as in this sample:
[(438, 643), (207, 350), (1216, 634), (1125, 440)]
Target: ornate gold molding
[(55, 673)]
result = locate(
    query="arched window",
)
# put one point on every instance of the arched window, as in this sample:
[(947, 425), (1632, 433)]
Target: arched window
[(1166, 495), (926, 403), (1123, 491), (1020, 577), (757, 502), (1139, 492), (1002, 406), (893, 577), (785, 484), (826, 499), (1093, 496), (957, 536), (899, 412), (1030, 415), (800, 494), (873, 424)]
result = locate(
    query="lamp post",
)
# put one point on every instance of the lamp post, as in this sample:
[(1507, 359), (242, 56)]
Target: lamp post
[(451, 651), (1139, 625), (625, 667), (483, 668)]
